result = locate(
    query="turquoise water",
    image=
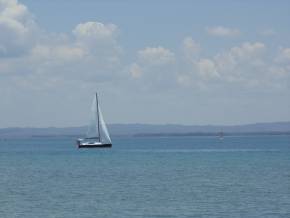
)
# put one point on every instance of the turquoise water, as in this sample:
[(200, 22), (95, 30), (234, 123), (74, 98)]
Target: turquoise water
[(146, 177)]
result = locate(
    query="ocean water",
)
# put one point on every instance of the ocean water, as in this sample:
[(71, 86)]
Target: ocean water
[(242, 176)]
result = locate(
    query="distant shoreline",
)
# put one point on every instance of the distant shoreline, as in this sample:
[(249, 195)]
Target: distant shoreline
[(189, 134), (153, 130), (217, 134)]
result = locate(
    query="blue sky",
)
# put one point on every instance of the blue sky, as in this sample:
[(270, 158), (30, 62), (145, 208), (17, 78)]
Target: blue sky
[(186, 62), (153, 22)]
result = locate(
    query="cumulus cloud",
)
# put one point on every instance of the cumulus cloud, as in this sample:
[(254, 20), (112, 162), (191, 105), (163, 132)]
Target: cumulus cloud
[(91, 54), (222, 31), (99, 40), (96, 36), (207, 69), (156, 56), (237, 58), (248, 65), (242, 63), (17, 28), (155, 68), (95, 31), (190, 47), (248, 50)]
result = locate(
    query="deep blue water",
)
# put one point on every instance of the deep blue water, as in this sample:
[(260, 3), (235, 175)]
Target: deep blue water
[(146, 177)]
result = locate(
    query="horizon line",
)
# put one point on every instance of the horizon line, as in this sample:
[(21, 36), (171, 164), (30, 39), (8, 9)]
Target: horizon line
[(149, 124)]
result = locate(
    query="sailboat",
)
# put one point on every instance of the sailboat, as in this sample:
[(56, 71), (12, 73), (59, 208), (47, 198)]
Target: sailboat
[(97, 135)]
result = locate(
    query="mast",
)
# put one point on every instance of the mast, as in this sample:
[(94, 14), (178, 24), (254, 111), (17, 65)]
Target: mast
[(98, 117)]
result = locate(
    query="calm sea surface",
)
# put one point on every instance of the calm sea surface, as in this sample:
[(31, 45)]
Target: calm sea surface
[(146, 177)]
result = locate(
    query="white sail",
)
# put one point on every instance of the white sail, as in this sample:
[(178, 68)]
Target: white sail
[(104, 134), (97, 133), (97, 128), (92, 131)]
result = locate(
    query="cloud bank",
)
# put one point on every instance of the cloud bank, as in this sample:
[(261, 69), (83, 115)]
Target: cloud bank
[(92, 54)]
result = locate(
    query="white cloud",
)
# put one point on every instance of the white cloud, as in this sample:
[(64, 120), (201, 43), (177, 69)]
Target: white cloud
[(222, 31), (92, 33), (135, 71), (268, 32), (190, 47), (91, 54), (156, 56), (248, 50), (245, 66), (99, 40), (154, 69), (242, 64), (59, 53), (207, 69), (17, 28), (283, 55)]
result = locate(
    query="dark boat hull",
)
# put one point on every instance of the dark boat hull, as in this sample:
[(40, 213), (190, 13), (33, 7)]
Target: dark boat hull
[(95, 146)]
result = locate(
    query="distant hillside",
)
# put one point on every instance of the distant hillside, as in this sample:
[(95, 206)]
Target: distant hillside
[(49, 131), (133, 129), (150, 129)]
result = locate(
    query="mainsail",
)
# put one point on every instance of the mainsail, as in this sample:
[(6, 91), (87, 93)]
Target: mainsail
[(93, 131), (97, 128), (104, 134)]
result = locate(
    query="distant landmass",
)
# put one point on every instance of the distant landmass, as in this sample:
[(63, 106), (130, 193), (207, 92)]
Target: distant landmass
[(154, 130)]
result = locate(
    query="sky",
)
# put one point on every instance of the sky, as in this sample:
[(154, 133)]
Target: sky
[(158, 62)]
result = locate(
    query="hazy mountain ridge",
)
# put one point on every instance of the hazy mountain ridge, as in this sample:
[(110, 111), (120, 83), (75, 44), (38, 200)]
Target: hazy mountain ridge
[(147, 129)]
